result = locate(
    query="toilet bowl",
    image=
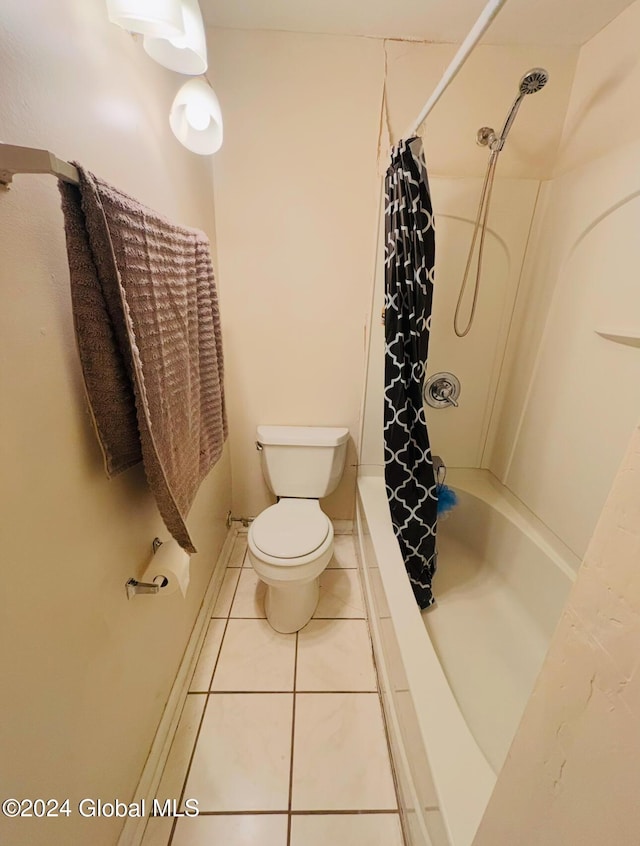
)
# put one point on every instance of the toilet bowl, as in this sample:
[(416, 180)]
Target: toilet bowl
[(290, 544)]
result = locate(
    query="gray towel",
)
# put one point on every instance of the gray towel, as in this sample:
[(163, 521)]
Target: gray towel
[(147, 323)]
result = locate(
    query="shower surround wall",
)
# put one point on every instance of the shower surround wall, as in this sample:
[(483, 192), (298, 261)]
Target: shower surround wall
[(566, 407), (85, 673), (480, 95)]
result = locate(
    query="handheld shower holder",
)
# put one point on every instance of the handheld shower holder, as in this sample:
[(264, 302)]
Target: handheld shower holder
[(486, 137)]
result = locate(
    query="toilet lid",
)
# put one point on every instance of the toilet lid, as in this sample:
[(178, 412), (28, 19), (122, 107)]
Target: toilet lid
[(291, 529)]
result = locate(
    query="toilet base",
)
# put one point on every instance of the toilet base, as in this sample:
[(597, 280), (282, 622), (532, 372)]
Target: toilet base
[(290, 606)]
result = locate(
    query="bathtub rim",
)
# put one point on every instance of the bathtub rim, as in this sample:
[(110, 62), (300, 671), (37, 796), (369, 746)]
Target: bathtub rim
[(462, 776)]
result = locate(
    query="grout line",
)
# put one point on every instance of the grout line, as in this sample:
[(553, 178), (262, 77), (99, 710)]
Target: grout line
[(173, 830), (278, 692), (242, 813), (346, 811), (293, 729), (215, 663), (228, 614), (338, 618), (233, 617), (311, 813)]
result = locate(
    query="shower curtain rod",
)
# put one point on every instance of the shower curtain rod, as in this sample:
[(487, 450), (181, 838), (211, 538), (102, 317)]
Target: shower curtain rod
[(482, 24), (14, 159)]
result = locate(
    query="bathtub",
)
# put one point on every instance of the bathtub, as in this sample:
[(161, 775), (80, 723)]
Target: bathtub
[(455, 678)]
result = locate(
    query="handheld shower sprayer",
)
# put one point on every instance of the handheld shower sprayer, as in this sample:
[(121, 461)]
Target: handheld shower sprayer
[(531, 82)]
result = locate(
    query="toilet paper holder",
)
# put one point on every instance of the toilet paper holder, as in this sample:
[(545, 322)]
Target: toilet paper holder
[(133, 586)]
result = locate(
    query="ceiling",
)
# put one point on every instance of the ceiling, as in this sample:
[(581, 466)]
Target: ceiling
[(541, 22)]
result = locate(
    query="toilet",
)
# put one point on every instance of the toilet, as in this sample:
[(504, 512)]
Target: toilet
[(291, 542)]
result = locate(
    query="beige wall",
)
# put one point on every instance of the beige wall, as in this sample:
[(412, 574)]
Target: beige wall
[(85, 673), (566, 412), (601, 116), (296, 194), (572, 774)]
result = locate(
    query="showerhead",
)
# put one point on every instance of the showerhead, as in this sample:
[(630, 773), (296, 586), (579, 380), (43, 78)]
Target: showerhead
[(533, 81)]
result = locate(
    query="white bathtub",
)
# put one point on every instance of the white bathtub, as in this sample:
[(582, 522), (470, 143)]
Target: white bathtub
[(456, 678)]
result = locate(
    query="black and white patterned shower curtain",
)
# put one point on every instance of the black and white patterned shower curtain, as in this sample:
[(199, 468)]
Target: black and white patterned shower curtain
[(409, 274)]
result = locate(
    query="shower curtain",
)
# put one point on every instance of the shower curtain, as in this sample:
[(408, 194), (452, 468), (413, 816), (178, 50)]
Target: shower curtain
[(409, 272)]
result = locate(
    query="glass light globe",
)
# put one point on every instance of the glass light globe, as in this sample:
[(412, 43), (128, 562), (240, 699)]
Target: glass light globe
[(158, 18), (185, 53), (196, 118)]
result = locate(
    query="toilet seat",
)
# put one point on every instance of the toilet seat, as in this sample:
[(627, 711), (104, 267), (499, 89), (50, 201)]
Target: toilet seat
[(290, 530)]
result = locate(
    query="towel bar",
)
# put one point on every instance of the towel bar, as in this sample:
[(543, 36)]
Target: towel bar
[(15, 159)]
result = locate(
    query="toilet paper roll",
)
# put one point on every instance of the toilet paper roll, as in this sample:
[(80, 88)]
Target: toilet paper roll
[(172, 563)]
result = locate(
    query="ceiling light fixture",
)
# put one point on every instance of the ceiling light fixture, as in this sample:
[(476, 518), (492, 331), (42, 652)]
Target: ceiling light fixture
[(196, 118), (156, 18), (186, 53)]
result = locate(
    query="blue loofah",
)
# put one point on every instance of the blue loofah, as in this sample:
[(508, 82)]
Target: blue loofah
[(447, 499)]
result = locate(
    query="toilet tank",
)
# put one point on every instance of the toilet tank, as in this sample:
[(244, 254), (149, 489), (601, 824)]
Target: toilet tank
[(302, 461)]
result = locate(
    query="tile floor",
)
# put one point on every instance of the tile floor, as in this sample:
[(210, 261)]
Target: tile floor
[(281, 739)]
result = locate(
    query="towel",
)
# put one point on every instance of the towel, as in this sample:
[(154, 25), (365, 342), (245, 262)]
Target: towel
[(147, 325)]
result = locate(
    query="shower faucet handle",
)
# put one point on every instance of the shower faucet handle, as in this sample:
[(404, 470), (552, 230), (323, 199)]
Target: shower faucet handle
[(442, 390), (447, 394)]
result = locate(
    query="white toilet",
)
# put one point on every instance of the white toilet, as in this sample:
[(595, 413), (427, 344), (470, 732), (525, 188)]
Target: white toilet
[(291, 543)]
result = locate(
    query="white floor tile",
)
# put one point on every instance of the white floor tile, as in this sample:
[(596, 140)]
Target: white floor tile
[(340, 595), (335, 655), (232, 830), (344, 552), (208, 656), (175, 769), (157, 832), (346, 830), (241, 762), (225, 597), (340, 758), (238, 551), (255, 657), (249, 601)]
